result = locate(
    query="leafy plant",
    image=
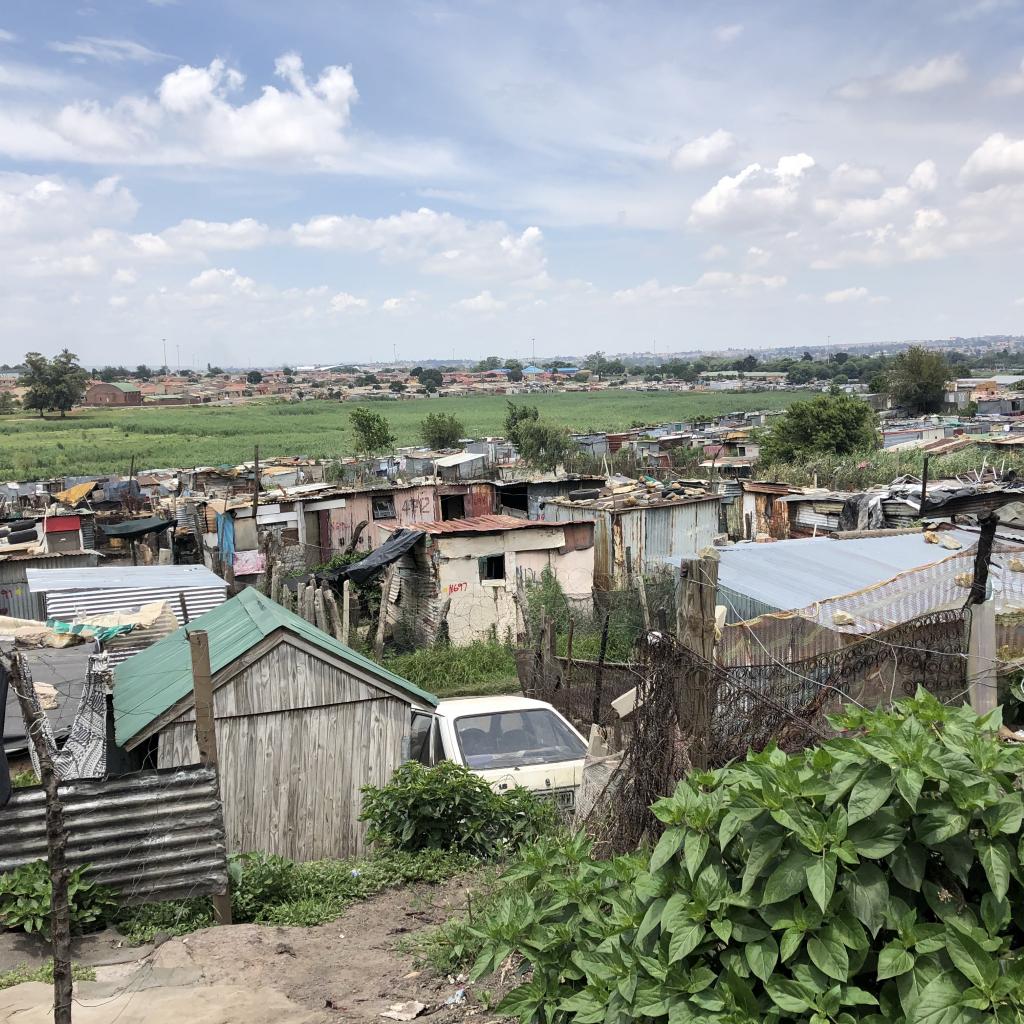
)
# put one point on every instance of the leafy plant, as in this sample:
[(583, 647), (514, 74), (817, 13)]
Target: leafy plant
[(25, 896), (872, 879), (448, 807), (24, 779)]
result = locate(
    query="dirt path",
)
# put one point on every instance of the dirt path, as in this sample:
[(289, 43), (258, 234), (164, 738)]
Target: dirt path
[(347, 970)]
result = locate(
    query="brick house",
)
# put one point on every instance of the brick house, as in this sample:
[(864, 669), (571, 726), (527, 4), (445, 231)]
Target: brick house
[(116, 393)]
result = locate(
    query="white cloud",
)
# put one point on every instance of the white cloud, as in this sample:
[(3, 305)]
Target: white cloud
[(709, 285), (1011, 84), (7, 37), (937, 73), (998, 159), (485, 302), (757, 194), (217, 279), (847, 295), (342, 302), (117, 301), (710, 149), (195, 120), (441, 243), (38, 208), (16, 77), (714, 253), (949, 69), (853, 178), (107, 50), (201, 235), (728, 33), (124, 275), (720, 280)]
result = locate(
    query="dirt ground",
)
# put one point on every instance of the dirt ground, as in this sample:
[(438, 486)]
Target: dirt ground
[(347, 970)]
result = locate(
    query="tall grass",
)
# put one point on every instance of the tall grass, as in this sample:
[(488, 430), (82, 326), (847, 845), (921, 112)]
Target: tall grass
[(479, 668)]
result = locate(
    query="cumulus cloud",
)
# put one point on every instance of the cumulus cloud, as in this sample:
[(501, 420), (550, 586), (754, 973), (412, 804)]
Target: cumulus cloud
[(853, 178), (710, 283), (125, 275), (847, 295), (202, 235), (441, 243), (728, 33), (937, 73), (998, 159), (757, 194), (343, 302), (108, 51), (196, 118), (7, 37), (485, 302), (714, 253), (710, 149)]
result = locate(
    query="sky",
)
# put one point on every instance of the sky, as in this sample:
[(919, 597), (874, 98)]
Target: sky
[(259, 183)]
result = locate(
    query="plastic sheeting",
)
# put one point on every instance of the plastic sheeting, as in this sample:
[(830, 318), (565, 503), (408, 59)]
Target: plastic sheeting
[(137, 527), (390, 551)]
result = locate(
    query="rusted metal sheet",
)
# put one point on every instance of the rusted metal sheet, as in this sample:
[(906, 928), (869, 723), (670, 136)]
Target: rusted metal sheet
[(150, 836), (480, 499)]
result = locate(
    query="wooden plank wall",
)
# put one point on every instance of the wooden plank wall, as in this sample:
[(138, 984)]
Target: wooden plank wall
[(290, 776)]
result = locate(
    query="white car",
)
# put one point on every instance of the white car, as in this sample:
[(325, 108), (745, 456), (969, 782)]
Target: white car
[(509, 741)]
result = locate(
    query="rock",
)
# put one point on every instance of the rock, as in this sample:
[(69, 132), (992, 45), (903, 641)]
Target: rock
[(404, 1011)]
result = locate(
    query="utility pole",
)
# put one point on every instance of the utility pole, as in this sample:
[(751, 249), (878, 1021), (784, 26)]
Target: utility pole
[(256, 488), (165, 352), (178, 350)]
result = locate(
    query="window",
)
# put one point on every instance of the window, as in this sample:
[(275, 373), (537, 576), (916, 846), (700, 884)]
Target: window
[(492, 567), (453, 506), (419, 738), (508, 739), (383, 506)]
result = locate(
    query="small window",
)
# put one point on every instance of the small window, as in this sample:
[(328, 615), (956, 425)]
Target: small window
[(453, 506), (492, 567), (419, 738), (384, 506)]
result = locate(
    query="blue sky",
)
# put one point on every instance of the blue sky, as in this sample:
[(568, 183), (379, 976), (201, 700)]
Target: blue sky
[(264, 182)]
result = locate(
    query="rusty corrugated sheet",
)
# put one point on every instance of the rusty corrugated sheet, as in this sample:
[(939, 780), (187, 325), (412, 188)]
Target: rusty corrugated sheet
[(150, 836)]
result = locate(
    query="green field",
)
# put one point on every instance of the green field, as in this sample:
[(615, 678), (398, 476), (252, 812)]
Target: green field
[(103, 441)]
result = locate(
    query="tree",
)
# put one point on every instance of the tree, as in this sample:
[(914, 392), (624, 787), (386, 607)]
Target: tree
[(834, 423), (543, 445), (840, 358), (57, 383), (441, 430), (7, 404), (807, 357), (396, 386), (214, 371), (254, 377), (516, 416), (431, 379), (490, 363), (801, 373), (143, 372), (287, 370), (745, 365), (917, 379), (372, 430), (515, 369), (970, 410)]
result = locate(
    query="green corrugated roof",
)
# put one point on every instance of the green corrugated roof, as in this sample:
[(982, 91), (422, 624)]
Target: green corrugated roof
[(122, 386), (154, 680)]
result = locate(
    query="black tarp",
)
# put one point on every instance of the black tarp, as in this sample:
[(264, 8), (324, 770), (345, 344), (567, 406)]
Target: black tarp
[(390, 551), (137, 527)]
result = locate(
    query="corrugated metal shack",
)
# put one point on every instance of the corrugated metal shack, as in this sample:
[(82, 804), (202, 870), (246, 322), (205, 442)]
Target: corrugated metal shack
[(67, 594), (303, 723), (641, 519), (756, 579), (16, 598)]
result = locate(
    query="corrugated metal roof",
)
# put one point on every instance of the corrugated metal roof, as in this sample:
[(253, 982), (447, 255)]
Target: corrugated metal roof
[(157, 678), (474, 524), (457, 460), (176, 577), (795, 573)]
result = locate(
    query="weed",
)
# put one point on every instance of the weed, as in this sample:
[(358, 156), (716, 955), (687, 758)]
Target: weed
[(43, 973), (22, 780), (482, 667), (25, 899)]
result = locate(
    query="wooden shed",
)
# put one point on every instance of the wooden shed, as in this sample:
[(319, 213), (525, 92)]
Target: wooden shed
[(302, 723)]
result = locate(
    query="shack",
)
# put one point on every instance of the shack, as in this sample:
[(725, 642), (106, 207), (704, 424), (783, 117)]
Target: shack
[(303, 722), (645, 530), (462, 575)]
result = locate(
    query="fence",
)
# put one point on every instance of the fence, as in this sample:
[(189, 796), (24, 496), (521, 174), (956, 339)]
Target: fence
[(154, 835)]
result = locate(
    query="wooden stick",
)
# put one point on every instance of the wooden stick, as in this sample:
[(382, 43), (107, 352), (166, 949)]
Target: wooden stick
[(982, 557), (320, 610), (256, 488), (595, 711), (56, 843), (333, 615), (345, 611), (385, 593), (206, 732)]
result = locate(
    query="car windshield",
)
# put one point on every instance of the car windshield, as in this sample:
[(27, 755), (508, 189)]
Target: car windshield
[(508, 739)]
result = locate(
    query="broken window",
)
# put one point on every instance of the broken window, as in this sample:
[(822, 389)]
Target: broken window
[(453, 506), (383, 506), (492, 567)]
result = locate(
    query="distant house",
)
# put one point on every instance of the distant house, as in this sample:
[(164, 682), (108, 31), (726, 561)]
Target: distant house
[(303, 723), (114, 393)]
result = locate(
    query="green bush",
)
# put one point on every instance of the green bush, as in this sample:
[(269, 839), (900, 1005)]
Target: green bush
[(875, 879), (25, 900), (448, 807)]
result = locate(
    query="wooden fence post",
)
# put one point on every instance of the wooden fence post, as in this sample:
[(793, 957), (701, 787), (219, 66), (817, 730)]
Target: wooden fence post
[(382, 618), (345, 613), (981, 650), (206, 733), (595, 710), (56, 844), (695, 627)]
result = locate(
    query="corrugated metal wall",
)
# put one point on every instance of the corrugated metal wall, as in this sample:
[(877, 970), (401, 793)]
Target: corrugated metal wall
[(15, 596), (153, 835), (71, 604), (298, 738)]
